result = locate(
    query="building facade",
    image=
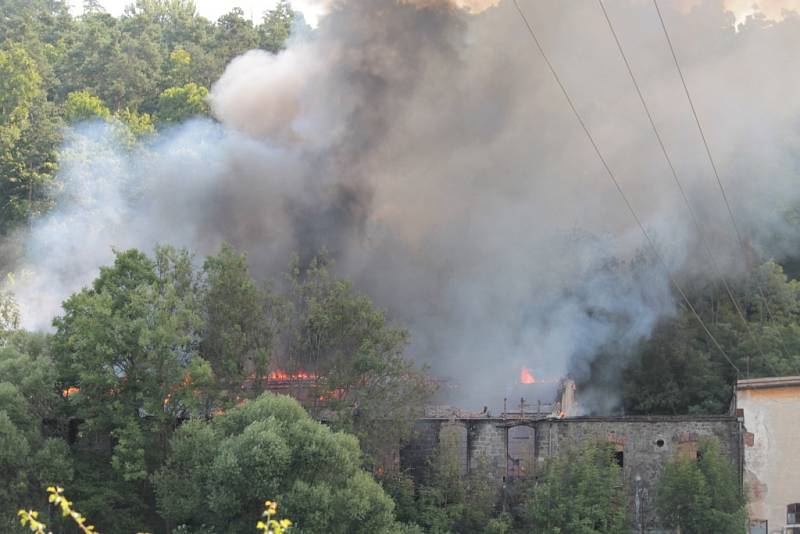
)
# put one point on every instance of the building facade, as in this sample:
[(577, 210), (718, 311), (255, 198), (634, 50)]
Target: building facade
[(515, 445), (771, 411)]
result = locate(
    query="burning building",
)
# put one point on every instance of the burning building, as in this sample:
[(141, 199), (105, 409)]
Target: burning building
[(517, 442)]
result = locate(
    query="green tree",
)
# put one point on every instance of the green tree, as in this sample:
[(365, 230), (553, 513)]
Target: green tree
[(679, 370), (580, 492), (83, 105), (133, 76), (20, 85), (679, 359), (219, 473), (480, 504), (133, 127), (9, 315), (276, 27), (28, 137), (168, 13), (14, 449), (128, 344), (451, 501), (242, 322), (92, 7), (42, 28), (341, 336), (402, 489), (235, 35), (93, 46), (180, 64), (441, 500), (28, 397), (128, 126), (177, 104), (699, 495)]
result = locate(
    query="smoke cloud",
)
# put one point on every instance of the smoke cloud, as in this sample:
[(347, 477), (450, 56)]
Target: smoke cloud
[(430, 152), (470, 6)]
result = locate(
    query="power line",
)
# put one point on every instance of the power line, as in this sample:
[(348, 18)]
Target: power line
[(721, 187), (674, 173), (617, 184), (700, 128)]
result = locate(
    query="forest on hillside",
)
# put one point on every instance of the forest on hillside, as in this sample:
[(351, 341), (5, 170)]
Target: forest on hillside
[(147, 401)]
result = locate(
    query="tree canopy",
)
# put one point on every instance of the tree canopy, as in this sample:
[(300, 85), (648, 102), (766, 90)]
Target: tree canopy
[(219, 473), (157, 60), (701, 494), (29, 457), (580, 492), (162, 342)]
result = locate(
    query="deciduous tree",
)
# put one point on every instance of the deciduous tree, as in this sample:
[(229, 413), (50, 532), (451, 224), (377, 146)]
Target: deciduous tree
[(701, 494), (340, 335), (580, 492), (276, 27), (177, 104), (220, 473)]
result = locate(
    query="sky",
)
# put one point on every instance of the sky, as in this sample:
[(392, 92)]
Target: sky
[(312, 9), (212, 9)]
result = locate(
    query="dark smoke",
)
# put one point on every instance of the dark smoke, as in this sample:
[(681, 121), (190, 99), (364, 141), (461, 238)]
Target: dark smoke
[(429, 151)]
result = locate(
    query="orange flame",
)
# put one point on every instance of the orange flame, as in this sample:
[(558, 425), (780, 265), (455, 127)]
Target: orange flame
[(336, 394), (283, 376), (526, 376), (70, 391)]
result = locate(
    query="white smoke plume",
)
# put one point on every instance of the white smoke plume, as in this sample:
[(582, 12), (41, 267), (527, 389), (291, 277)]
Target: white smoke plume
[(470, 6), (429, 150)]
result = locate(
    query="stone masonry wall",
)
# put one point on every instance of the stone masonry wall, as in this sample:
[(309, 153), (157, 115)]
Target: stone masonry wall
[(646, 443), (487, 443)]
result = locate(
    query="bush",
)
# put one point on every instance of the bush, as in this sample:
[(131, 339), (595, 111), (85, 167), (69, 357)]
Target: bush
[(218, 473)]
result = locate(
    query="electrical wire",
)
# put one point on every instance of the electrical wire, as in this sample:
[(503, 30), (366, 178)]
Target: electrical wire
[(673, 172), (618, 187), (713, 164)]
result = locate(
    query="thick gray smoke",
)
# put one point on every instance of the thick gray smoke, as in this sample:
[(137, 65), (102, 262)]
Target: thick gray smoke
[(429, 150)]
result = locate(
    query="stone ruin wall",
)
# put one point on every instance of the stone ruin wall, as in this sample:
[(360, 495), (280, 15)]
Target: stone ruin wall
[(515, 448)]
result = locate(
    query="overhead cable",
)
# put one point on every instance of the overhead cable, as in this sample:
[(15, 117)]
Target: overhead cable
[(712, 163), (681, 189), (618, 187)]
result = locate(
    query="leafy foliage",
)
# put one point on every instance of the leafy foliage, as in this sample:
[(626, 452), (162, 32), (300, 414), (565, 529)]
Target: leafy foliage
[(275, 30), (28, 459), (127, 344), (27, 136), (579, 493), (701, 494), (678, 370), (30, 518), (156, 341), (177, 104), (448, 500), (241, 321), (219, 473), (338, 333), (83, 105), (156, 60)]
